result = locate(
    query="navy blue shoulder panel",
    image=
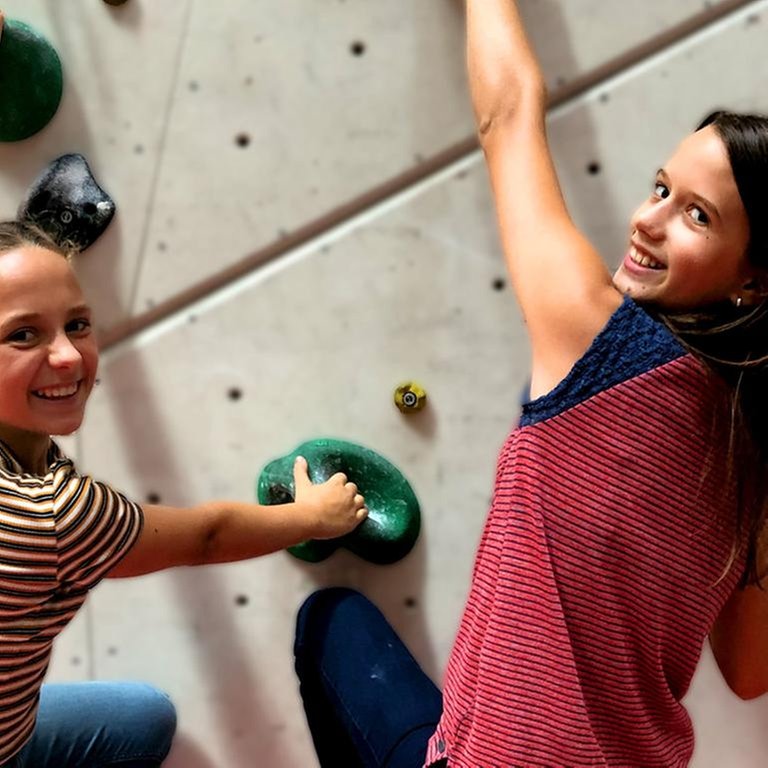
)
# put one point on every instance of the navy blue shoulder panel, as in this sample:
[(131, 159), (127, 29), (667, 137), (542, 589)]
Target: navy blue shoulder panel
[(631, 344)]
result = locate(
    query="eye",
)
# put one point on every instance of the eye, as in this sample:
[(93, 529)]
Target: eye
[(79, 327), (660, 190), (23, 336), (699, 216)]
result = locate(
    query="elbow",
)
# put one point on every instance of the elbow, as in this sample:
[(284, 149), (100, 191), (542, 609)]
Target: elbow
[(205, 545), (750, 689), (523, 100), (747, 680), (749, 695)]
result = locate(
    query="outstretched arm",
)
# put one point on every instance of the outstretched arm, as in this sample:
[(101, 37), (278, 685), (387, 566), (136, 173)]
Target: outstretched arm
[(564, 289), (220, 532)]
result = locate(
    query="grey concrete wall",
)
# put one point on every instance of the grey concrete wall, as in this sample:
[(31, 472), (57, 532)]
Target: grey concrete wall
[(304, 218)]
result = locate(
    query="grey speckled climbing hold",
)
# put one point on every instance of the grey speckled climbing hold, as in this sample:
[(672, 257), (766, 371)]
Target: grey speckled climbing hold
[(68, 204), (31, 81)]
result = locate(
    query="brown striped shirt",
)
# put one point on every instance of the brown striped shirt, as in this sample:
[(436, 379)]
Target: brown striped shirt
[(59, 536), (597, 578)]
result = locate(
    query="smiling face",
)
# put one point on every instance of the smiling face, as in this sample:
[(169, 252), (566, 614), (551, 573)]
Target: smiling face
[(688, 241), (48, 355)]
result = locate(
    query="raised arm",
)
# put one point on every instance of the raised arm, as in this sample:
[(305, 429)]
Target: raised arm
[(564, 289), (223, 531)]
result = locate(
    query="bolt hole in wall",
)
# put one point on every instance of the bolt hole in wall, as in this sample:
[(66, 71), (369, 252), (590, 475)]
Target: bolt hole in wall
[(234, 393), (242, 140), (357, 48), (153, 498), (498, 284), (593, 169)]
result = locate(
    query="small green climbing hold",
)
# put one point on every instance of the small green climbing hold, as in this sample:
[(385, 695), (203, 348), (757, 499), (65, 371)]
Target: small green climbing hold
[(392, 526), (31, 81)]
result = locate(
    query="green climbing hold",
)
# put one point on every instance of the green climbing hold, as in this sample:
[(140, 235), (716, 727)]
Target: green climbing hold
[(392, 526), (31, 81)]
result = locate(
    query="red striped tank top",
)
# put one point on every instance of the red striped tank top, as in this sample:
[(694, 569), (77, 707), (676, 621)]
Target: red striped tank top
[(598, 575)]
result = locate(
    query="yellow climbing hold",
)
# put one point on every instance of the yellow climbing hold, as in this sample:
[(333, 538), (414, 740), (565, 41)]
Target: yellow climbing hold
[(410, 397)]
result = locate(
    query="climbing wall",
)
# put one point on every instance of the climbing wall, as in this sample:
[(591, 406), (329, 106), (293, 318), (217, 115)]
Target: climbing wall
[(303, 223)]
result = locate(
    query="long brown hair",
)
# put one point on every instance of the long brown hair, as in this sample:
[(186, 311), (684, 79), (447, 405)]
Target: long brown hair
[(733, 340)]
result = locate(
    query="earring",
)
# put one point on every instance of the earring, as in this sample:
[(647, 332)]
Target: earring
[(738, 301)]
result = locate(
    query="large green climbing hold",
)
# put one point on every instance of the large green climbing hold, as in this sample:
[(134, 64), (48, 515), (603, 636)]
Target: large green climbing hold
[(31, 81), (392, 526)]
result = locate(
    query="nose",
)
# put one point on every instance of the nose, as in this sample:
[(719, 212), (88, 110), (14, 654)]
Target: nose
[(650, 219), (62, 353)]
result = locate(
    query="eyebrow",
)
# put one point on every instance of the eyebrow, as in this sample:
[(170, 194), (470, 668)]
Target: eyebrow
[(27, 317), (708, 203)]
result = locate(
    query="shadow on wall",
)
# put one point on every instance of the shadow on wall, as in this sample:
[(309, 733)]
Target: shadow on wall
[(220, 646)]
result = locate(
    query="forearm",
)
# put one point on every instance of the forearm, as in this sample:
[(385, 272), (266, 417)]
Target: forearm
[(237, 531), (223, 531), (502, 66), (216, 532)]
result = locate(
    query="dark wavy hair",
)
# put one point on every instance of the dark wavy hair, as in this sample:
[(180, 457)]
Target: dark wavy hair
[(733, 340)]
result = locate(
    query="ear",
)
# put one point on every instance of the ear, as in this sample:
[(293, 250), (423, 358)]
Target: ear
[(753, 291)]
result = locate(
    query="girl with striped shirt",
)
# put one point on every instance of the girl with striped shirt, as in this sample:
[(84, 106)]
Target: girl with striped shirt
[(61, 532)]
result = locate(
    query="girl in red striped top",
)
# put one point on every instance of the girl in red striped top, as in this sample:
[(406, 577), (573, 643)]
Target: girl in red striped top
[(627, 515)]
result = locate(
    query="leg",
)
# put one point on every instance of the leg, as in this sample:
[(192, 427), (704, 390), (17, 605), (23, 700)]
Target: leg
[(367, 701), (99, 725)]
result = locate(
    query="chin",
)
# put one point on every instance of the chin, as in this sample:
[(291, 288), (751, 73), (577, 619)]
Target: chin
[(62, 430)]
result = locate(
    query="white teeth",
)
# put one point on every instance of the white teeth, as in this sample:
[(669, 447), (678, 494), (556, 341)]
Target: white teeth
[(57, 392), (643, 260)]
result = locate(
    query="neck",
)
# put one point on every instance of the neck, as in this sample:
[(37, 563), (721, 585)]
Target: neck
[(30, 448)]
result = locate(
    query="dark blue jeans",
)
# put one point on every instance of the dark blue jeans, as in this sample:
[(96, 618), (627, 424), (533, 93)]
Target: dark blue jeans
[(99, 724), (367, 701)]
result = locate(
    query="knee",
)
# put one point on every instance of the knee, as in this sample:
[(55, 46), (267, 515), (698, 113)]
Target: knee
[(158, 716), (316, 616)]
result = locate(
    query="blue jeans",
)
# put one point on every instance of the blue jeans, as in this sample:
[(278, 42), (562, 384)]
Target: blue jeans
[(99, 724), (367, 701)]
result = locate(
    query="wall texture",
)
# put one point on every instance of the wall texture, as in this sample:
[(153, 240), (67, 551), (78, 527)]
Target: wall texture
[(304, 222)]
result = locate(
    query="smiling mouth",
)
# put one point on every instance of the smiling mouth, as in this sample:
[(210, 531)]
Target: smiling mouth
[(643, 260), (61, 392)]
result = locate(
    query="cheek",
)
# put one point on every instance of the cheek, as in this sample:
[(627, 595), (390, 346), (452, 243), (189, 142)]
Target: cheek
[(90, 355), (690, 250), (638, 212), (16, 383)]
